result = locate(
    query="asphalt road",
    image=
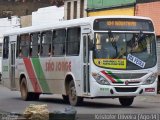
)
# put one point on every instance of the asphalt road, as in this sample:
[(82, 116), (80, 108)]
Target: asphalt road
[(10, 101)]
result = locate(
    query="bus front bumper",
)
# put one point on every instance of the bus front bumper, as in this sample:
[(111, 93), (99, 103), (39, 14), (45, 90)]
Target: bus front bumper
[(98, 90)]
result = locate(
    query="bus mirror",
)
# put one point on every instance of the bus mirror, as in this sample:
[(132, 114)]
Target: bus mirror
[(91, 37)]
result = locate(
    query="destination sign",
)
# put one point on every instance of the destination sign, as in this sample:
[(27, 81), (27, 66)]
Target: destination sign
[(123, 24)]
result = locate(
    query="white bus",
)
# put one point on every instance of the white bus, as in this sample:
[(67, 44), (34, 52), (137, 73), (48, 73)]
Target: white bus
[(94, 57)]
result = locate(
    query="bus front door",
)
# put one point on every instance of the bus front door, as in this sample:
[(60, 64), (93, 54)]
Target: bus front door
[(12, 66)]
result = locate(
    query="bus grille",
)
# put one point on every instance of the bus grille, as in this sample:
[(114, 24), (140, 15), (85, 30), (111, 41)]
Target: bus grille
[(129, 89), (136, 82), (129, 75)]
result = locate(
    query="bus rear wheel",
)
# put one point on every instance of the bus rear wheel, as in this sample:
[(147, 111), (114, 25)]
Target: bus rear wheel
[(25, 95), (24, 90), (74, 100), (65, 98), (34, 96), (126, 101)]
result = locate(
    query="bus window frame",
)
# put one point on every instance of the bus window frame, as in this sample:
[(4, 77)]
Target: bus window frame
[(31, 46), (57, 43), (20, 54), (41, 44), (75, 41)]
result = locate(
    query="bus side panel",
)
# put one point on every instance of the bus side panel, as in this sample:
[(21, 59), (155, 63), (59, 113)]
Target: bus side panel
[(51, 73), (54, 72), (51, 76), (22, 69), (76, 69)]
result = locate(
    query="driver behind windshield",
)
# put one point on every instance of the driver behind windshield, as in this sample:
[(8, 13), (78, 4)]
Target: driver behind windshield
[(137, 44), (105, 47)]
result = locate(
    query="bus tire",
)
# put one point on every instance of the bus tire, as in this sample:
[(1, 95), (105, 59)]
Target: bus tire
[(65, 98), (126, 101), (34, 96), (25, 95), (74, 100)]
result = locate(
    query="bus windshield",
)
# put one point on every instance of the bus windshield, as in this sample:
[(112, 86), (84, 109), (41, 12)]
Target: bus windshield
[(129, 51)]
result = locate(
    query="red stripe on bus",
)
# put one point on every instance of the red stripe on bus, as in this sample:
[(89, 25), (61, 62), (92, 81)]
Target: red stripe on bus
[(108, 76), (31, 75)]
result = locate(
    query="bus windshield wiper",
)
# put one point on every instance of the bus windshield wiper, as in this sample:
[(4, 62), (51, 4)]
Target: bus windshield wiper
[(140, 36), (113, 42)]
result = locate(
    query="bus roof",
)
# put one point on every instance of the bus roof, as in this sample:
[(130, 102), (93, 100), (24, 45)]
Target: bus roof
[(66, 23)]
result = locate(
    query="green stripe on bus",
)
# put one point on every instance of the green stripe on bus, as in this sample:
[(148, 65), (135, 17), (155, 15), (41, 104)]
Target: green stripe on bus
[(114, 76), (40, 75)]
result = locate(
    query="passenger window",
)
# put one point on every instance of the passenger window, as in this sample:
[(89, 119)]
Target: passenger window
[(46, 39), (58, 44), (24, 45), (35, 45), (73, 41), (5, 47)]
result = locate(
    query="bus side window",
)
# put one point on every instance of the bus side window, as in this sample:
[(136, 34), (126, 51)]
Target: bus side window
[(5, 47), (35, 45), (24, 45), (46, 39), (73, 41), (58, 44)]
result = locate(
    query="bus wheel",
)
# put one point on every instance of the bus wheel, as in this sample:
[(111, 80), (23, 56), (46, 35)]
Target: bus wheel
[(126, 101), (65, 98), (73, 98), (34, 96), (25, 95)]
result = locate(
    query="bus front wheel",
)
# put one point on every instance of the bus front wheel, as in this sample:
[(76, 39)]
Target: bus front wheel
[(126, 101), (73, 98)]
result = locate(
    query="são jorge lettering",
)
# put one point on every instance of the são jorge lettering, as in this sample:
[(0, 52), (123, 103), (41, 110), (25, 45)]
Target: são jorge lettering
[(58, 66)]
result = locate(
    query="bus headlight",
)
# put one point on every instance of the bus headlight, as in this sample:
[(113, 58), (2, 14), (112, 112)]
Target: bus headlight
[(100, 79), (151, 79)]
